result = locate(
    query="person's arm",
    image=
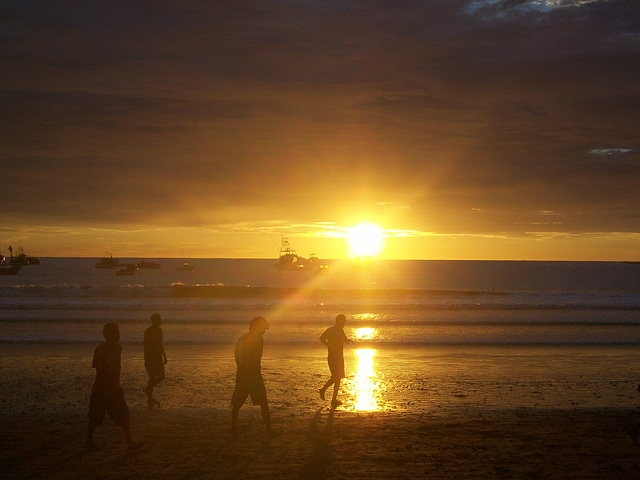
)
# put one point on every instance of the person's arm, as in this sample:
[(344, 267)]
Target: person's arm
[(99, 362), (164, 355), (145, 343), (324, 339), (346, 339), (240, 354)]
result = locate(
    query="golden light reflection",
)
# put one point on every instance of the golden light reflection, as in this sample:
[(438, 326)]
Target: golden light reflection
[(365, 333), (364, 387), (365, 316)]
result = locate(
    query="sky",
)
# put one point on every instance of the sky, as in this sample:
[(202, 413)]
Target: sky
[(466, 129)]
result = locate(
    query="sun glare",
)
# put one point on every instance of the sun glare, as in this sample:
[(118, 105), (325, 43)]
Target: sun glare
[(365, 240), (364, 381)]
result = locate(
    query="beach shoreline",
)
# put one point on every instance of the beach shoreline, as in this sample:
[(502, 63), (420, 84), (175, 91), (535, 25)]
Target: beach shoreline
[(435, 413)]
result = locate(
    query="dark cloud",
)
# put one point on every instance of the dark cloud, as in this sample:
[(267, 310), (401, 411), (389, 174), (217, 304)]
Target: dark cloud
[(136, 112)]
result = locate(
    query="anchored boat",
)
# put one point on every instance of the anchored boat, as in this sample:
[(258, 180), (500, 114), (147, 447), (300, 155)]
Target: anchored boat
[(108, 261), (289, 260)]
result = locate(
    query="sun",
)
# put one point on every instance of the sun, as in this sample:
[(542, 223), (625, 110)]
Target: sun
[(365, 239)]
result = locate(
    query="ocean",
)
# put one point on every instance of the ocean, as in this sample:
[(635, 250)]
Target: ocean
[(66, 300), (387, 302)]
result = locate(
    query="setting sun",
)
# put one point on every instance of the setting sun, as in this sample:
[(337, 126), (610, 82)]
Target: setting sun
[(365, 240)]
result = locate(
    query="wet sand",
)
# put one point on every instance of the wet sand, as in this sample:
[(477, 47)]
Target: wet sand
[(445, 412)]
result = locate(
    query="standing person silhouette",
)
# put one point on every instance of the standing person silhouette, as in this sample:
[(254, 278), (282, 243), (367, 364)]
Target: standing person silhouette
[(106, 394), (334, 339), (154, 358), (248, 354)]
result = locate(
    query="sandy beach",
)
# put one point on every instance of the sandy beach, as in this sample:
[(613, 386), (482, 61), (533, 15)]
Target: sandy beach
[(447, 412)]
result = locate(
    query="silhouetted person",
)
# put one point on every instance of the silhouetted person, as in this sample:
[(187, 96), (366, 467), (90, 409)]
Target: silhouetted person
[(106, 394), (334, 339), (248, 353), (154, 358)]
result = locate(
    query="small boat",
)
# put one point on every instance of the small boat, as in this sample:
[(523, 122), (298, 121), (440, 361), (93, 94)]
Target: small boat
[(142, 264), (8, 269), (186, 267), (128, 269), (108, 261)]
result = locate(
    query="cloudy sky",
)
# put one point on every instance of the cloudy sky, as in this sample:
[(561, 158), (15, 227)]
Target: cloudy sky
[(484, 129)]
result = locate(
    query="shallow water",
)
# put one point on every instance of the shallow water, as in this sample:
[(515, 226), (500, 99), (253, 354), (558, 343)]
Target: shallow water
[(401, 302)]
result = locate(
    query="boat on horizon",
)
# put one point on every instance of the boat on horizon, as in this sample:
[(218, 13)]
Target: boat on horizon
[(9, 268), (289, 260), (128, 269), (153, 265), (22, 258), (108, 261), (186, 267)]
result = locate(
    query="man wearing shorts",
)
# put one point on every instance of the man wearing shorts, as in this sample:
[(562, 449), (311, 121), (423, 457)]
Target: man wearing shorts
[(107, 396), (154, 358), (249, 382), (334, 339)]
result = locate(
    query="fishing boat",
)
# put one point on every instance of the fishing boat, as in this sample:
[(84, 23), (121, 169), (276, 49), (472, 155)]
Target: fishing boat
[(108, 261), (289, 260), (9, 268), (23, 259), (128, 269), (186, 267), (154, 265)]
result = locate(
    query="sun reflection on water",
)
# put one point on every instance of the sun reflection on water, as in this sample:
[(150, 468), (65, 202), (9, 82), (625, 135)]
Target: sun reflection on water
[(365, 333), (365, 316), (364, 385)]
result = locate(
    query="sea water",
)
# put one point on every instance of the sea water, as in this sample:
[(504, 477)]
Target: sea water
[(387, 302)]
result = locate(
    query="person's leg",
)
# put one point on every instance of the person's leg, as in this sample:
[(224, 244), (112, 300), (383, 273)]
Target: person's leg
[(156, 378), (266, 415), (634, 432), (334, 400), (234, 419), (96, 414), (126, 428), (336, 387), (90, 429), (324, 389), (153, 381), (149, 389)]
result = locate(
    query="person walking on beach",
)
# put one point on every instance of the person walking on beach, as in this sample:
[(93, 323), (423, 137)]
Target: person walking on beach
[(106, 394), (249, 382), (154, 358), (334, 339)]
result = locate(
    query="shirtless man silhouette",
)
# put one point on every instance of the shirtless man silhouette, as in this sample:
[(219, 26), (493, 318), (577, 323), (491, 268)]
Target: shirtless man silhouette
[(334, 339), (107, 395), (249, 382)]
